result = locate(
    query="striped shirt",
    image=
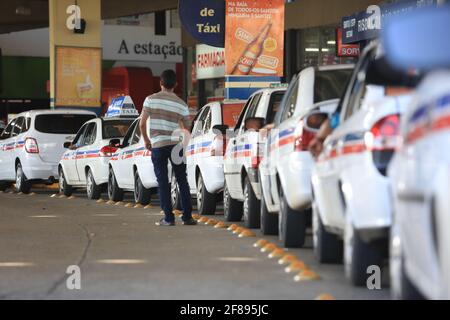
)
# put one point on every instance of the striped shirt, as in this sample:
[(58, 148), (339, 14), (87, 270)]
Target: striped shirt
[(165, 110)]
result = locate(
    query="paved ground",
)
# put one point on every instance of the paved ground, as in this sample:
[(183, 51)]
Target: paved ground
[(123, 255)]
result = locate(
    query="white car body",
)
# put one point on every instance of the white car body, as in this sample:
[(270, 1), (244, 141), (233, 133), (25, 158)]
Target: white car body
[(204, 154), (244, 150), (37, 152), (287, 163), (91, 151), (420, 174)]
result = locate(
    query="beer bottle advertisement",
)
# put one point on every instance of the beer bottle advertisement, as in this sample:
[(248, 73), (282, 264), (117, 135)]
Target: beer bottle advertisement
[(254, 41)]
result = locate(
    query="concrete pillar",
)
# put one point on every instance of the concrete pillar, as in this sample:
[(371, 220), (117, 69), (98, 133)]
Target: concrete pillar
[(72, 93)]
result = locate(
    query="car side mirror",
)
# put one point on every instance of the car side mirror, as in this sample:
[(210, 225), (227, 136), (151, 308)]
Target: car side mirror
[(221, 128), (67, 145), (254, 123), (314, 121), (114, 143)]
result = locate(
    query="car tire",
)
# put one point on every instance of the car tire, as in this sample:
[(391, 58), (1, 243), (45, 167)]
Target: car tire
[(22, 185), (64, 187), (142, 195), (93, 191), (4, 186), (408, 290), (360, 255), (175, 193), (114, 192), (206, 202), (232, 208), (328, 247), (293, 224), (269, 221), (251, 207)]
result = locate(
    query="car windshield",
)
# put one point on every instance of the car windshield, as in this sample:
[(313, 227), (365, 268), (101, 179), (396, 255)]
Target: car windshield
[(116, 128), (330, 84), (61, 123)]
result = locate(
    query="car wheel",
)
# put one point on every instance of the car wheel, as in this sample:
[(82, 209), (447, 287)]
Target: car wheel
[(93, 190), (175, 193), (328, 247), (269, 221), (360, 255), (206, 202), (22, 185), (142, 195), (64, 187), (292, 225), (114, 192), (251, 207), (4, 186), (232, 208)]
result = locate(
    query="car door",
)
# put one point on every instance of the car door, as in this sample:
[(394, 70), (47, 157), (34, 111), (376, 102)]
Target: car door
[(69, 158), (124, 173), (231, 166), (7, 170), (86, 151), (282, 139)]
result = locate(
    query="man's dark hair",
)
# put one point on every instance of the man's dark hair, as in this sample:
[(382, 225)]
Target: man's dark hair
[(169, 79)]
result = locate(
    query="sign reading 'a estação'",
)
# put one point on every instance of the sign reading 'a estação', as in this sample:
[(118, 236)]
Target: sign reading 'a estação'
[(204, 20)]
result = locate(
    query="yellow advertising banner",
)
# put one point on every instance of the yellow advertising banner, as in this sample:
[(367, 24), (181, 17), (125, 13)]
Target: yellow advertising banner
[(78, 77), (254, 40)]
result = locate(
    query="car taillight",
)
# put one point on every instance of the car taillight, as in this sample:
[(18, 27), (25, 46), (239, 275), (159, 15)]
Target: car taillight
[(31, 145), (107, 151), (218, 146), (382, 140), (303, 138), (385, 134)]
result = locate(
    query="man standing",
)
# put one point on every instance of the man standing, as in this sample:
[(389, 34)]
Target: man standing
[(167, 113)]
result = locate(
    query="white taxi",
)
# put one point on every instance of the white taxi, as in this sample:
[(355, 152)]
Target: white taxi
[(420, 169), (351, 190), (86, 162), (32, 144), (242, 192), (204, 154), (285, 170)]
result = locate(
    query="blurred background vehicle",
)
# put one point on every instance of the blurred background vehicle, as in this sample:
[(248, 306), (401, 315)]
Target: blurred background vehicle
[(242, 195), (420, 170), (2, 126), (285, 169), (351, 190), (32, 144)]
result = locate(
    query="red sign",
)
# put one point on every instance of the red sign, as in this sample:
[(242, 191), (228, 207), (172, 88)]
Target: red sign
[(345, 50)]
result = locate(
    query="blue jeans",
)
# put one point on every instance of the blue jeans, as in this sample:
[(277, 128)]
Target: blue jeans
[(161, 158)]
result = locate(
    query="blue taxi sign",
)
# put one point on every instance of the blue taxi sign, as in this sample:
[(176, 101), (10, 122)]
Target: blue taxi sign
[(122, 107)]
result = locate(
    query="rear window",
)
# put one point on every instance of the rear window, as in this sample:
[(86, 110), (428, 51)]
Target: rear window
[(116, 128), (330, 84), (61, 123)]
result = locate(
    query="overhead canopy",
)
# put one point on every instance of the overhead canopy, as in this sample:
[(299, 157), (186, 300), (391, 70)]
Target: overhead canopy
[(33, 14)]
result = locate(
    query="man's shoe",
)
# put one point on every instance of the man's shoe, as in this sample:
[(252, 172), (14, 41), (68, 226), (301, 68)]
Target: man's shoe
[(164, 223), (190, 222)]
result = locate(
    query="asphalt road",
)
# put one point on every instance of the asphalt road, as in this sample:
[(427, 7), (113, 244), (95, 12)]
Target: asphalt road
[(123, 255)]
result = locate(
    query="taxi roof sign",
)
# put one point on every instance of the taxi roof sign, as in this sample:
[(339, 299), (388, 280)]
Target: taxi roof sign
[(122, 107)]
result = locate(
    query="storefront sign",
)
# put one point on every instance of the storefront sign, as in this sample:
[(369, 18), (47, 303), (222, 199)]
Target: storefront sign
[(210, 62), (78, 77), (366, 25), (254, 41), (345, 50), (204, 20)]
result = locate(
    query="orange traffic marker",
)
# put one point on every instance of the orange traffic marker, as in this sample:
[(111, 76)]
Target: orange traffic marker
[(53, 195), (100, 201), (269, 247), (221, 225), (238, 230), (119, 203), (247, 234), (203, 220), (177, 212), (32, 194), (232, 227), (110, 202), (148, 206), (196, 216), (325, 297), (62, 196), (277, 253), (138, 206), (287, 259), (296, 266), (71, 198), (211, 222), (129, 205), (306, 275), (260, 243)]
